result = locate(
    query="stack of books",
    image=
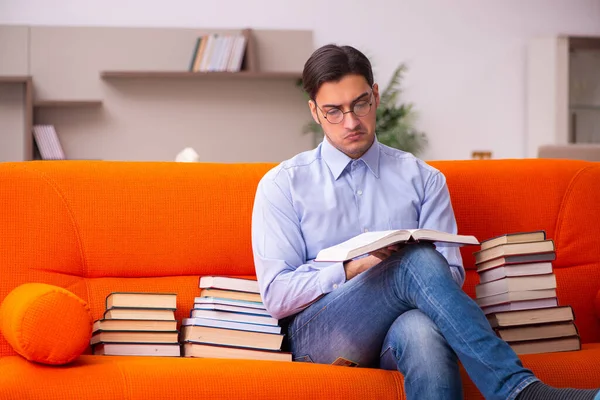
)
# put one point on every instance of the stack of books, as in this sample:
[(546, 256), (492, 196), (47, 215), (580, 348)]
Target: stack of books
[(229, 320), (517, 292), (219, 52), (137, 324)]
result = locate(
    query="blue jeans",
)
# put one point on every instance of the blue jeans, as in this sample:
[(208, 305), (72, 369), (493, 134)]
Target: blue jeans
[(407, 313)]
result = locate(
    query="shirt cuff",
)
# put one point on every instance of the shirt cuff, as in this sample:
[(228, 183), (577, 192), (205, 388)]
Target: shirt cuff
[(331, 277), (457, 275)]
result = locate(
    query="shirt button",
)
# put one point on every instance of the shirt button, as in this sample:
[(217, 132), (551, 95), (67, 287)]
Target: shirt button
[(335, 285), (359, 192)]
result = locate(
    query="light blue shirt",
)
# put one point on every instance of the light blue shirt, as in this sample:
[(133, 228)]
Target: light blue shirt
[(322, 197)]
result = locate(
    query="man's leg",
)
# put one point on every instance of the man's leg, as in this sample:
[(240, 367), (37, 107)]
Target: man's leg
[(422, 279), (415, 346), (352, 321)]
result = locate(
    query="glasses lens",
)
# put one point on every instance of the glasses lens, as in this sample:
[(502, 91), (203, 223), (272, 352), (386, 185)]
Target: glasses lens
[(335, 116), (362, 108)]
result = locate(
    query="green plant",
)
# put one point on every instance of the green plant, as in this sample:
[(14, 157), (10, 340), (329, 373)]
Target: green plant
[(395, 125)]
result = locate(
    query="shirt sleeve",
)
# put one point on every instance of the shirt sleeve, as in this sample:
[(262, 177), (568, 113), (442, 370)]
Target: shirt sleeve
[(288, 283), (437, 213)]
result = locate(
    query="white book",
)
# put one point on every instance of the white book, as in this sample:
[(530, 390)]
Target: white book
[(229, 283), (231, 308), (47, 142), (371, 241), (236, 63), (231, 302), (241, 326), (216, 53), (210, 42), (233, 316)]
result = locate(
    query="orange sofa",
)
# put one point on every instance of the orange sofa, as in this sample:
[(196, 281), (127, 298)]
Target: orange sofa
[(94, 227)]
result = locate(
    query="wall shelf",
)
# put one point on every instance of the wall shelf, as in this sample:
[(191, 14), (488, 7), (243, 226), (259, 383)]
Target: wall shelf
[(578, 107), (15, 79), (198, 75), (67, 103)]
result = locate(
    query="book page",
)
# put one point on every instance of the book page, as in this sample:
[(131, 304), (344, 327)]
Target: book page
[(443, 238), (362, 240)]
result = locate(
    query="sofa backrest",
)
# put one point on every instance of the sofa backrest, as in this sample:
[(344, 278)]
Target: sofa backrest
[(562, 197), (95, 227)]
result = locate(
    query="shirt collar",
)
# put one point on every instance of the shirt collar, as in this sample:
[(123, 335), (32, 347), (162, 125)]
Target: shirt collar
[(338, 161)]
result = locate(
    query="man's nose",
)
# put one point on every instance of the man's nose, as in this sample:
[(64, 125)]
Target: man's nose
[(351, 121)]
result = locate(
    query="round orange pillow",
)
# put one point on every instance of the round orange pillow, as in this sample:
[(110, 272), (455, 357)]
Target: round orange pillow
[(46, 323)]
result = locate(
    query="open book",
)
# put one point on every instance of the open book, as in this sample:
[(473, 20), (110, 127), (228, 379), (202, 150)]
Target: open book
[(371, 241)]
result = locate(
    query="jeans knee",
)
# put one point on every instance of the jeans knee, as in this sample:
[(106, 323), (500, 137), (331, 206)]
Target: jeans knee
[(423, 259), (419, 347)]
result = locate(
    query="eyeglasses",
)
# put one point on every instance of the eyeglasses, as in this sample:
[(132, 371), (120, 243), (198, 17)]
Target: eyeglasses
[(361, 108)]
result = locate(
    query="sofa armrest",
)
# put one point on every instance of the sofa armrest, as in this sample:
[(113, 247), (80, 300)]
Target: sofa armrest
[(597, 304)]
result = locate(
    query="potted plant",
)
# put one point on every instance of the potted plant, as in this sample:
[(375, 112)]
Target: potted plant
[(395, 121)]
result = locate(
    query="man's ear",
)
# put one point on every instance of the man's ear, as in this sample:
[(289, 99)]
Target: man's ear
[(313, 111), (376, 94)]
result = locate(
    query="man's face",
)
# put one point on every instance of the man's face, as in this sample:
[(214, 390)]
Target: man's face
[(355, 133)]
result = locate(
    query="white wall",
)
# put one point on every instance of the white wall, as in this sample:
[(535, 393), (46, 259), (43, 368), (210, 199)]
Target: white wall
[(466, 57)]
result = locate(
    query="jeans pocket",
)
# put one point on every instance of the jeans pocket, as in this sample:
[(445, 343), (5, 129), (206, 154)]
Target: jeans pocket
[(306, 358)]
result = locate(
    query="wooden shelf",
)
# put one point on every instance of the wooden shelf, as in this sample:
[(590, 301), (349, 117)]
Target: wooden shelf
[(67, 103), (15, 79), (198, 75)]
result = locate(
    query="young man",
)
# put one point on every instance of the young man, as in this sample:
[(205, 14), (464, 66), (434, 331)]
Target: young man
[(399, 308)]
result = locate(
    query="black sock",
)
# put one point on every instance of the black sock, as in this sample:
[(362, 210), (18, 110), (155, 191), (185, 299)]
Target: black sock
[(541, 391)]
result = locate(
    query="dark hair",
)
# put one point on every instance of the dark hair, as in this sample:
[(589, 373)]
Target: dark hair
[(331, 63)]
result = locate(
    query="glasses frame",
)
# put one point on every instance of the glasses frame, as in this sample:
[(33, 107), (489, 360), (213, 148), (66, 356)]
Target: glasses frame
[(370, 102)]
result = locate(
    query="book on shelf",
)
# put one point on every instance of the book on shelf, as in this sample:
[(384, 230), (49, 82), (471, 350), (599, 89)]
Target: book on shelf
[(515, 237), (367, 242), (517, 283), (140, 313), (231, 337), (207, 350), (47, 142), (137, 349), (141, 300), (134, 325), (229, 283), (135, 336), (220, 52)]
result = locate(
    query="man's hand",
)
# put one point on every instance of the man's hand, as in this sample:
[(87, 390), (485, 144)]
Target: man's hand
[(355, 267)]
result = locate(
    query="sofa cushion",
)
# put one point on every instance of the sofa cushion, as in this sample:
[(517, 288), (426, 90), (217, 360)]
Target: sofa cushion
[(157, 378), (46, 323)]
